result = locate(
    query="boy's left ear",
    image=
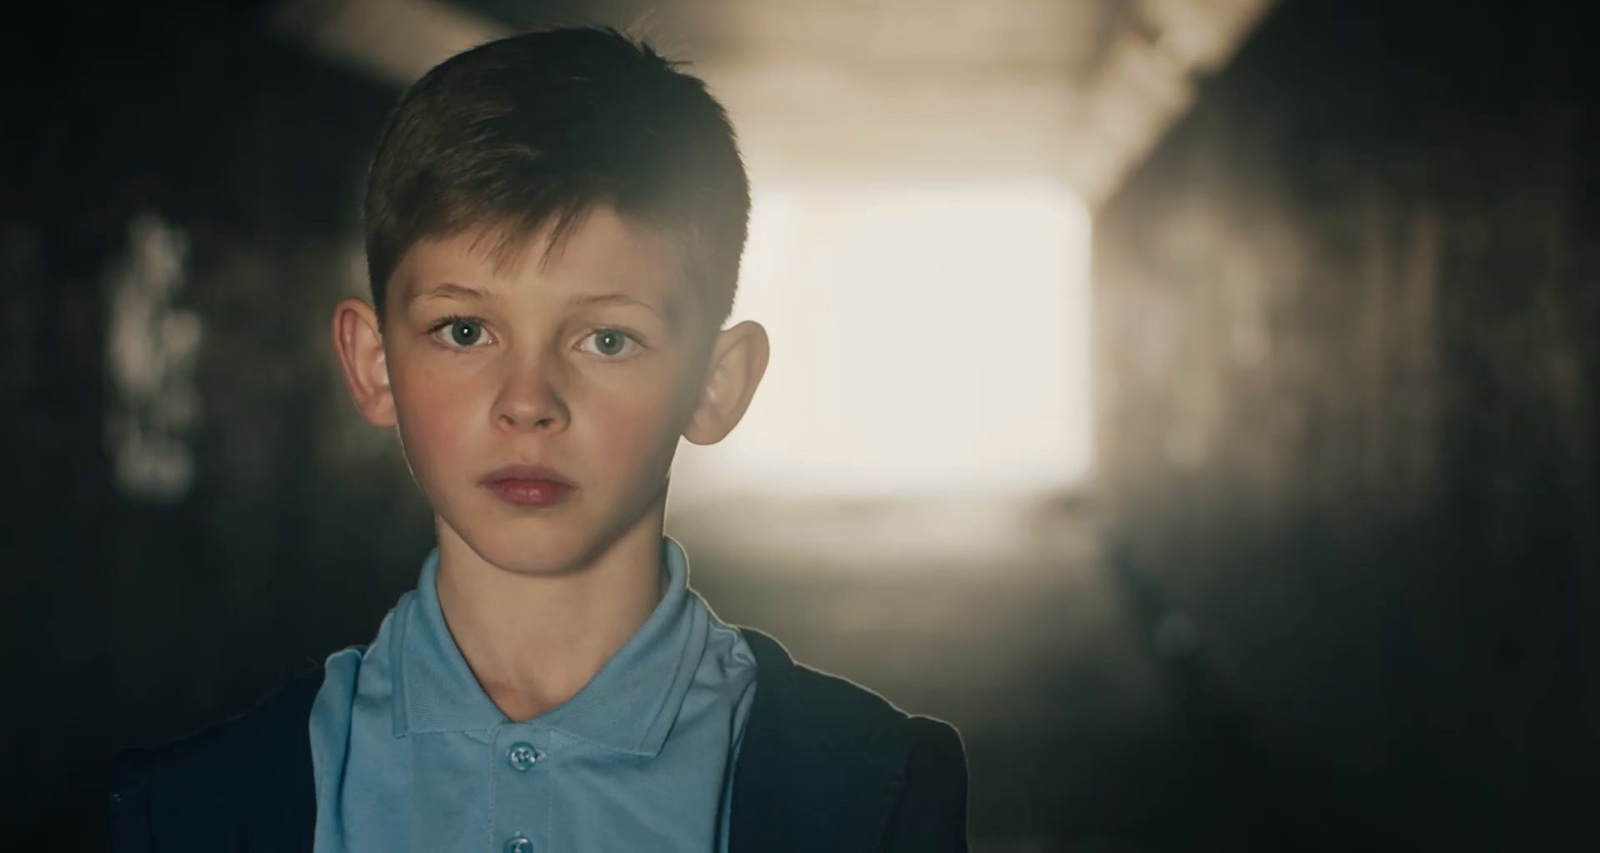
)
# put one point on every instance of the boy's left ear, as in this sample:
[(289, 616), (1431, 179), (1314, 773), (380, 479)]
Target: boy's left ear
[(738, 361)]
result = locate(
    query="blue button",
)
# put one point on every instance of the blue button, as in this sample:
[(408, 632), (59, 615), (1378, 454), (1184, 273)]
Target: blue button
[(522, 756), (519, 843)]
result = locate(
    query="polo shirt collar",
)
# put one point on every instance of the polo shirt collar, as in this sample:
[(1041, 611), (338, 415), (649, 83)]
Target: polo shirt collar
[(629, 706)]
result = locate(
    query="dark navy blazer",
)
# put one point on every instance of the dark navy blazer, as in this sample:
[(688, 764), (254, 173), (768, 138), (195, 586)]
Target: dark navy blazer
[(826, 765)]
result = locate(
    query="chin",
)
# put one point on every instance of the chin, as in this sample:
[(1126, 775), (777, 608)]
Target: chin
[(531, 552)]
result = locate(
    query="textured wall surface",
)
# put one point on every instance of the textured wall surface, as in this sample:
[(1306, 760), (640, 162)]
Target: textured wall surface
[(1347, 323), (186, 478)]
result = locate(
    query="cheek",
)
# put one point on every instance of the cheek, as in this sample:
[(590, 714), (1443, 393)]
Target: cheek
[(430, 409), (636, 430)]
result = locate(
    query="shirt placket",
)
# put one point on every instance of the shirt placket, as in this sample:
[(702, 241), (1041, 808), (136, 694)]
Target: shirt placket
[(522, 789)]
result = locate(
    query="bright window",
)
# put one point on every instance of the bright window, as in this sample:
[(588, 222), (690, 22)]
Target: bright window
[(928, 340)]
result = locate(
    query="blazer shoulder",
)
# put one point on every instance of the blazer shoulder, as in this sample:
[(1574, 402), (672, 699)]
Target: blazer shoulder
[(842, 714), (829, 765), (275, 724), (922, 759), (245, 782)]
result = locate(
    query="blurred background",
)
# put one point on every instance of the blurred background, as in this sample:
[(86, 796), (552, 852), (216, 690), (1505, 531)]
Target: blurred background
[(1194, 401)]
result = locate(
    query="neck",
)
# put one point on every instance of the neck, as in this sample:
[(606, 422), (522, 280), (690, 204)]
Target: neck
[(534, 641)]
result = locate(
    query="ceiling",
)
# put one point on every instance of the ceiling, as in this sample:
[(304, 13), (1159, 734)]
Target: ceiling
[(1077, 90)]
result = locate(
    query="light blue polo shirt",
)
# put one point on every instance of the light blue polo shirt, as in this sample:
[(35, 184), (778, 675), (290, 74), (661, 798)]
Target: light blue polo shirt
[(411, 754)]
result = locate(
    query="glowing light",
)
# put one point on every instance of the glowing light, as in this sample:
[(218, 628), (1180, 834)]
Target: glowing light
[(929, 340), (151, 350)]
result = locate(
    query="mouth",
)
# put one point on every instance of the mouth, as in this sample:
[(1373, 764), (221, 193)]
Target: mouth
[(528, 485)]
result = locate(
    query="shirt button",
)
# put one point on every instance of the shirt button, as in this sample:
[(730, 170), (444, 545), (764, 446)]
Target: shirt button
[(522, 757), (519, 843)]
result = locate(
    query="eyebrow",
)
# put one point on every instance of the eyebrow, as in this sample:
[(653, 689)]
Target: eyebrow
[(609, 299), (451, 290), (667, 312)]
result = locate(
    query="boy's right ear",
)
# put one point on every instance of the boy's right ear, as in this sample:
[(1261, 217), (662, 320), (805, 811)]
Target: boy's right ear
[(360, 347)]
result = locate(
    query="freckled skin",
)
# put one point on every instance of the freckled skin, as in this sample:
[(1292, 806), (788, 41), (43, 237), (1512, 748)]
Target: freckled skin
[(524, 378)]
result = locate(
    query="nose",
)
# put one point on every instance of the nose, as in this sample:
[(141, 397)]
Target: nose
[(530, 397)]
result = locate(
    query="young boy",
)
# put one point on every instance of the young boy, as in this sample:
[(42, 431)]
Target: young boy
[(554, 223)]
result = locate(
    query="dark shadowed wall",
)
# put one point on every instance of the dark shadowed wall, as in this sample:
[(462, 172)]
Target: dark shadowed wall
[(1347, 321), (179, 152)]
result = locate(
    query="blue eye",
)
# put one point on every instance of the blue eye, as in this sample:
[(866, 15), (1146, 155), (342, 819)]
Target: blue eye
[(609, 341), (465, 332), (460, 332)]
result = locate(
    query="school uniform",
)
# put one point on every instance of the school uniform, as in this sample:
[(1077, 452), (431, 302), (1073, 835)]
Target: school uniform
[(694, 736)]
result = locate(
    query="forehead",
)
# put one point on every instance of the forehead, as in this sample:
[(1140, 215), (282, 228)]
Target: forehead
[(600, 253)]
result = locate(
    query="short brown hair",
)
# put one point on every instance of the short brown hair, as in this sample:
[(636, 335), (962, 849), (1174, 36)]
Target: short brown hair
[(535, 129)]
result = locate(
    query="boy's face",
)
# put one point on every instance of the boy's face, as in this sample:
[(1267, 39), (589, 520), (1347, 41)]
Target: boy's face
[(588, 360)]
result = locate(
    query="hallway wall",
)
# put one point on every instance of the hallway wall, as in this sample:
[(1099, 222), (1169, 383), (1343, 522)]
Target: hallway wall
[(1348, 392)]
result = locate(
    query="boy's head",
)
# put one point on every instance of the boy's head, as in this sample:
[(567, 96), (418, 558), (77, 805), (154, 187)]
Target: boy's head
[(554, 224)]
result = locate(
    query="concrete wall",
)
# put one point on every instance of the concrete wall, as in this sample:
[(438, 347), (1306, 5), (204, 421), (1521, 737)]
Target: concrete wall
[(1346, 326)]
